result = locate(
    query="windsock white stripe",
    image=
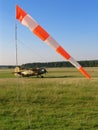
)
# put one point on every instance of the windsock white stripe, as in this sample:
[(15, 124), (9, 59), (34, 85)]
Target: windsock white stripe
[(74, 62), (29, 22), (51, 42)]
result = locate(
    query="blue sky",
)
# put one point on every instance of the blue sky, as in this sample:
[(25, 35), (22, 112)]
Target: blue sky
[(72, 23)]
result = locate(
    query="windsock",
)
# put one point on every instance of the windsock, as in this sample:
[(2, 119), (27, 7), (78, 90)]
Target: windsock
[(35, 28)]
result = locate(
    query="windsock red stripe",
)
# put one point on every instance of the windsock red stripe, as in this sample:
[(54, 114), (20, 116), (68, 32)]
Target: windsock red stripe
[(84, 72), (61, 51), (20, 13), (41, 33)]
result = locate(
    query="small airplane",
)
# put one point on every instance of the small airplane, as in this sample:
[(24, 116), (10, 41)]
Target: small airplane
[(30, 72)]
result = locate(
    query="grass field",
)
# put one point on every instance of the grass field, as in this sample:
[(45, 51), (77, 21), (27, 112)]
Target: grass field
[(63, 100)]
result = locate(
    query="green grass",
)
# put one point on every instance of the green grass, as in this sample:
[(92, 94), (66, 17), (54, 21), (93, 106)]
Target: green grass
[(63, 100)]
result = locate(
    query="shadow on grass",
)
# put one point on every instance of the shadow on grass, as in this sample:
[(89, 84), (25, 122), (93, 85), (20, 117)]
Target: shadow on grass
[(58, 77)]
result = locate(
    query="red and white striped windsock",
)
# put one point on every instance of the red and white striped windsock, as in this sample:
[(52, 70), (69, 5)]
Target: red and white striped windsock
[(28, 21)]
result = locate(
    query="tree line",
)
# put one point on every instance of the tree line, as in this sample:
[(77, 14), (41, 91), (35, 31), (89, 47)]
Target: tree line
[(89, 63), (86, 63)]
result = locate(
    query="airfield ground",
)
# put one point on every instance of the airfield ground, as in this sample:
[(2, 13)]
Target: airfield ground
[(63, 100)]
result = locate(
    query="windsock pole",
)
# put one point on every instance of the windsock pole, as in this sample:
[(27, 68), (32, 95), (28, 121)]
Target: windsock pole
[(16, 43), (35, 28)]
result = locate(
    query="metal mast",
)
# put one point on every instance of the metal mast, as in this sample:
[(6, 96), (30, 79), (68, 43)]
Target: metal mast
[(16, 43)]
